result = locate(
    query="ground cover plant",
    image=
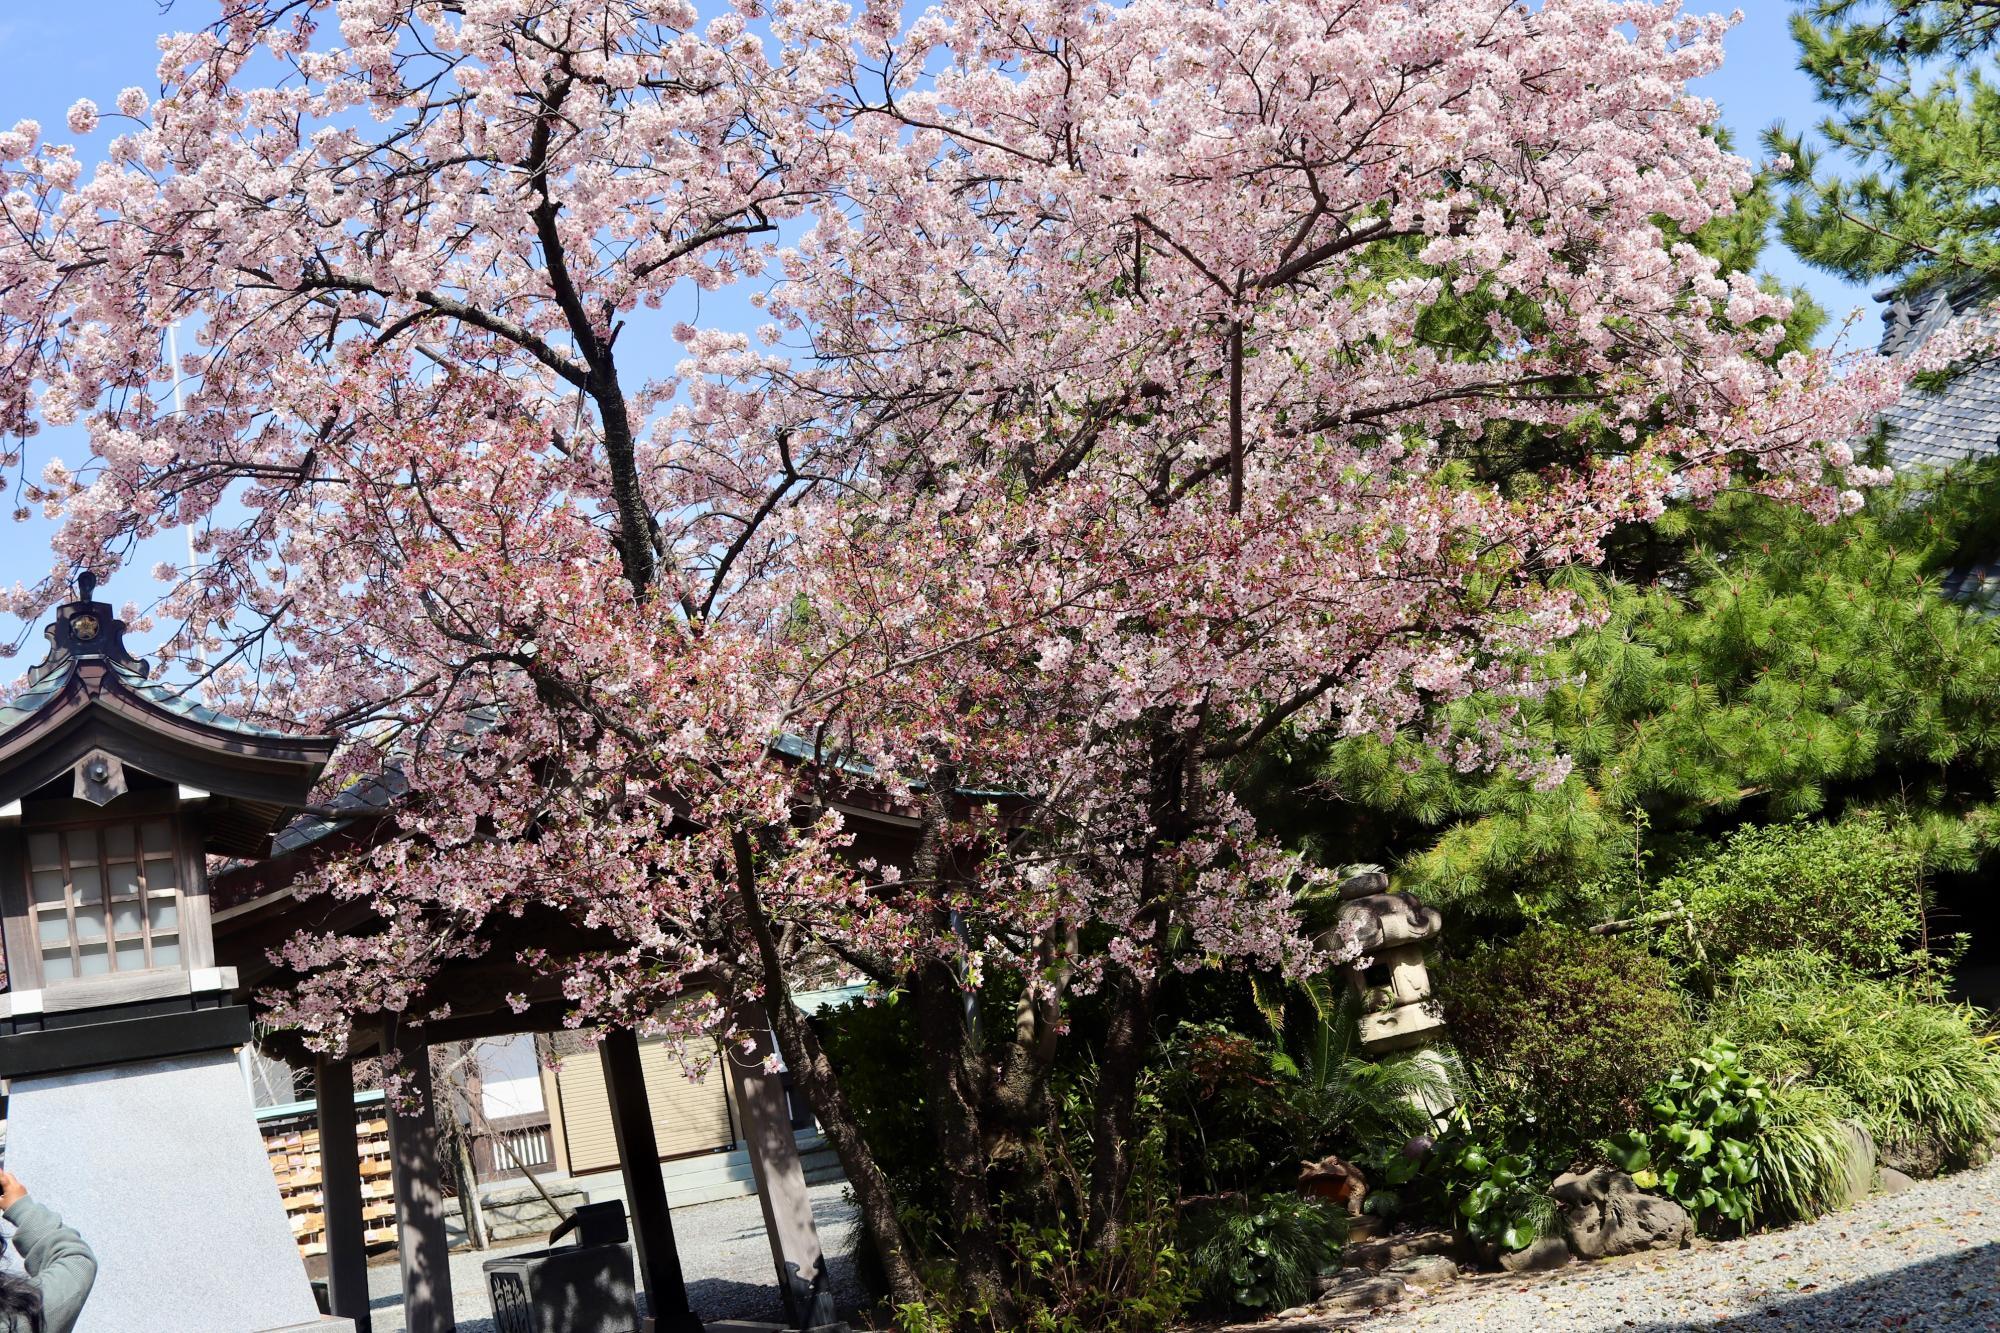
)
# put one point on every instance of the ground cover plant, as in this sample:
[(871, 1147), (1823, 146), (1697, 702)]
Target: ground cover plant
[(1911, 1070), (1262, 1252), (1698, 1144)]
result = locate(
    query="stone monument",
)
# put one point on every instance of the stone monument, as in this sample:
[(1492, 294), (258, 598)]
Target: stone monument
[(127, 1110)]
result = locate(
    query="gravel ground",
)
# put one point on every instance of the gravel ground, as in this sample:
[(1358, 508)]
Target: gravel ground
[(1927, 1259), (724, 1256)]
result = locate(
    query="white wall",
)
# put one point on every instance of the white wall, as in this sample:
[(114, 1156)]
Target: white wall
[(510, 1077)]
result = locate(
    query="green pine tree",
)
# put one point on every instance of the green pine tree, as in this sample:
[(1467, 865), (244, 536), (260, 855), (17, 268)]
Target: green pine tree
[(1797, 669), (1898, 181)]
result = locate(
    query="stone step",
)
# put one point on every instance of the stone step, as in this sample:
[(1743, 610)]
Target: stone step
[(1383, 1251)]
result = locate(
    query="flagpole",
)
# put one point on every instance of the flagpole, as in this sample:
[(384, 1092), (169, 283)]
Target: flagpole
[(180, 410)]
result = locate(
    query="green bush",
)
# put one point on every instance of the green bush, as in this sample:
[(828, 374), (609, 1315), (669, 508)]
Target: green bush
[(1700, 1149), (1341, 1099), (1262, 1252), (1565, 1030), (870, 1045), (1850, 891), (1490, 1181), (1909, 1069), (1223, 1107)]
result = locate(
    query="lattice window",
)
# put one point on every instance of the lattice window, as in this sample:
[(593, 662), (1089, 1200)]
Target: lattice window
[(105, 898)]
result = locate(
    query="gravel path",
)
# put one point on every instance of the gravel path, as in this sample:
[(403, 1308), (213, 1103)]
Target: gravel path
[(724, 1256), (1927, 1259)]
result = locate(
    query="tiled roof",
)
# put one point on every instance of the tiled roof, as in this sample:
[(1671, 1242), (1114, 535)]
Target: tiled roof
[(182, 703), (366, 796), (1959, 421), (167, 698), (29, 702), (1978, 588)]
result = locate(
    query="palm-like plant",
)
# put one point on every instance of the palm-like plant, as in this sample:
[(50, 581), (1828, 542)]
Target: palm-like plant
[(1346, 1099)]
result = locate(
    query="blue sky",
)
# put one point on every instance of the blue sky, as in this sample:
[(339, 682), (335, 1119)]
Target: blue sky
[(52, 52)]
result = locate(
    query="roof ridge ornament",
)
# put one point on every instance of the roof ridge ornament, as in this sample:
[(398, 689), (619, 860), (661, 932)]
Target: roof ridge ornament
[(87, 629)]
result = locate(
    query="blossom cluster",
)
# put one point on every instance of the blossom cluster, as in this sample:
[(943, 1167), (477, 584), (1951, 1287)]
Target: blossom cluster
[(1114, 411)]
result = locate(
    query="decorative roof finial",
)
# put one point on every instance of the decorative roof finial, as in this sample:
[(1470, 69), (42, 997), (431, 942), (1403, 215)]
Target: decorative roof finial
[(86, 628)]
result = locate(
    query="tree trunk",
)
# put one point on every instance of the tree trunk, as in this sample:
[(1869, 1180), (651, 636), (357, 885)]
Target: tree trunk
[(1016, 1106), (951, 1088), (815, 1076), (1127, 1038), (1135, 993), (955, 1121)]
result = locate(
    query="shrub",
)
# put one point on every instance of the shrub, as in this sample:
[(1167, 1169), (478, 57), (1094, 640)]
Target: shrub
[(1340, 1098), (1565, 1029), (1850, 891), (1262, 1252), (1909, 1069), (870, 1044), (1223, 1107), (1700, 1149)]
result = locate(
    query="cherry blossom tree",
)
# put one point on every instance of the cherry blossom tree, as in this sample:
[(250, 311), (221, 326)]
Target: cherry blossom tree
[(1112, 414), (1153, 319)]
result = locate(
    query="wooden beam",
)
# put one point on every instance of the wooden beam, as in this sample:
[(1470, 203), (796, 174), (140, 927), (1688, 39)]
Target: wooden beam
[(340, 1193), (645, 1187)]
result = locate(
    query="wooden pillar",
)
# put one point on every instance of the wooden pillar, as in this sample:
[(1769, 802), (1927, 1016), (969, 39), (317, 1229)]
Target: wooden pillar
[(781, 1180), (413, 1152), (340, 1192), (645, 1188)]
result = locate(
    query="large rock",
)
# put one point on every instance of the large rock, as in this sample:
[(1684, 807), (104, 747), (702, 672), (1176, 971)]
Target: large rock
[(1545, 1252), (1921, 1155), (1366, 1227), (1892, 1181), (1606, 1214), (1354, 1289), (190, 1229), (1857, 1165)]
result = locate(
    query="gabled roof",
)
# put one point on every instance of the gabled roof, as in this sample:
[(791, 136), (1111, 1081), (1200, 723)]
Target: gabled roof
[(1959, 421), (89, 696)]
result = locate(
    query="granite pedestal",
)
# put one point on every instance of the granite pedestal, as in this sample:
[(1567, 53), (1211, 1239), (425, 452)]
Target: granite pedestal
[(159, 1165)]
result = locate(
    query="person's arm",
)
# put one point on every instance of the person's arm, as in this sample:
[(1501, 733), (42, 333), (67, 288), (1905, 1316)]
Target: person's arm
[(56, 1257)]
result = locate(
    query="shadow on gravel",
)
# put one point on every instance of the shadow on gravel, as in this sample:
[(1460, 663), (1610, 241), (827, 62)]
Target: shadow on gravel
[(1961, 1292)]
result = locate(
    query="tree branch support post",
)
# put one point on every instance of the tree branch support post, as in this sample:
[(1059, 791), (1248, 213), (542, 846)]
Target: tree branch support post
[(781, 1179)]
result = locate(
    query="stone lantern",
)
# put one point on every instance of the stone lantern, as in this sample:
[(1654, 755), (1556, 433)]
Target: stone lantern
[(1397, 1011), (127, 1109)]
